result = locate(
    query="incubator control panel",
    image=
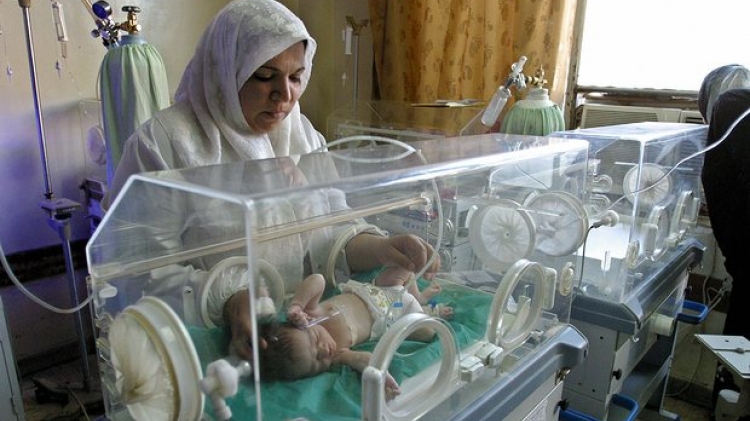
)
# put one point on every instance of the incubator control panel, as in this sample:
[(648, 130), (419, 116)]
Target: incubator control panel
[(643, 194), (506, 216)]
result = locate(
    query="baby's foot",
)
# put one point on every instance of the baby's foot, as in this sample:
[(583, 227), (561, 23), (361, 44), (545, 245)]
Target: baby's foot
[(439, 310)]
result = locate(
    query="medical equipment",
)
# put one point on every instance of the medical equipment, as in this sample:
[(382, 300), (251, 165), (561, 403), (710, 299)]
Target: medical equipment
[(59, 210), (536, 114), (504, 355), (644, 192), (734, 353), (132, 79), (498, 101), (633, 171)]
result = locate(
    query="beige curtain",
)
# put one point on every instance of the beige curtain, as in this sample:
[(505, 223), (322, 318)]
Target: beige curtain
[(427, 50)]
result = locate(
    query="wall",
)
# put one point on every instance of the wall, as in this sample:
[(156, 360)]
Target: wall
[(69, 109), (173, 26), (328, 90)]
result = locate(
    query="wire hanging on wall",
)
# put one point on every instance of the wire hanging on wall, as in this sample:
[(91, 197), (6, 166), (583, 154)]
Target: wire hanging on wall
[(8, 68)]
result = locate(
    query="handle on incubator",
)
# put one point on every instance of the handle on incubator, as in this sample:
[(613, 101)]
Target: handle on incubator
[(693, 307), (628, 403), (618, 400), (573, 415)]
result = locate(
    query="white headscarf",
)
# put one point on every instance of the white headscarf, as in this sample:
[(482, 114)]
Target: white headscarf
[(716, 82), (244, 35)]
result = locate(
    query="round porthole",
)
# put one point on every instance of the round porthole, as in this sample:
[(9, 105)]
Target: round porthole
[(560, 222), (654, 184), (500, 233), (656, 233), (156, 366), (236, 266), (517, 305), (437, 387)]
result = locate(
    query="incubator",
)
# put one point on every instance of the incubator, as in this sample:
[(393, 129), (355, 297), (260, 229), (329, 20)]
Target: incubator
[(175, 245), (403, 121), (643, 188)]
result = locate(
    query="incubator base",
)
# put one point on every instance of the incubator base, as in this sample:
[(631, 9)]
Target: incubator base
[(631, 346)]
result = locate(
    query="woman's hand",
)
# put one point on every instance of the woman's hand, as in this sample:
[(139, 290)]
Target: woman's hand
[(407, 251), (237, 315)]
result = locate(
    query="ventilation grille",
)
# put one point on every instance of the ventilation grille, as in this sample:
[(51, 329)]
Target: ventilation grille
[(598, 115), (693, 117)]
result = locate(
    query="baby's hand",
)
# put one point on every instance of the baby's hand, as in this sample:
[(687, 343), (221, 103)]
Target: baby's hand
[(432, 291), (391, 388), (297, 316)]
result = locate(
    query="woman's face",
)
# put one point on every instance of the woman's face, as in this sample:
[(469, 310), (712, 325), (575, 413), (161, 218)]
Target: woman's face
[(272, 91)]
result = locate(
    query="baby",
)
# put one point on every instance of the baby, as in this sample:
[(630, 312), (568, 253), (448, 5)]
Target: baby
[(320, 334)]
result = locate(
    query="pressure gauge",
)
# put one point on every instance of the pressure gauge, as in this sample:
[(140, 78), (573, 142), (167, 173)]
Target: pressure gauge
[(500, 233), (102, 10), (157, 369), (560, 220)]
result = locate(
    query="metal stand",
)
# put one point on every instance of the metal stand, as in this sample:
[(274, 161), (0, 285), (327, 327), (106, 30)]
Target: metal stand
[(59, 210)]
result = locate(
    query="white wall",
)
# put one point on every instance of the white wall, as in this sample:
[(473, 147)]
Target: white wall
[(173, 26)]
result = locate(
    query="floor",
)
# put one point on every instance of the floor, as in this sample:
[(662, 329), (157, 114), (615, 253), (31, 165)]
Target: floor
[(62, 396), (83, 406)]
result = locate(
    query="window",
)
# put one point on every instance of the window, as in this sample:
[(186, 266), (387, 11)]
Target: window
[(661, 44)]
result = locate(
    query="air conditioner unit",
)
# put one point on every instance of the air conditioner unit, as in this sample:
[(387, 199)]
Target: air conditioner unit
[(691, 116), (597, 115)]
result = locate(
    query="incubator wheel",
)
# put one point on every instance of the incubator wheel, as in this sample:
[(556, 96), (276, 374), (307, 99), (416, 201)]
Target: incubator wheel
[(656, 233), (515, 311), (560, 220), (500, 233), (654, 185), (237, 266), (156, 366), (408, 406)]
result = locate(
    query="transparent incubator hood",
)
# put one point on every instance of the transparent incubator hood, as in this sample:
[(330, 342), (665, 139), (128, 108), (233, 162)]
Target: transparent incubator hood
[(505, 214), (402, 120), (645, 176)]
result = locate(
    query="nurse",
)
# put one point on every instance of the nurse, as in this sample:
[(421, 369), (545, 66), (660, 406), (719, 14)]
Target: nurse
[(238, 100)]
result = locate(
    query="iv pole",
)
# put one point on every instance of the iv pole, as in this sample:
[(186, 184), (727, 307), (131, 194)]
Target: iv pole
[(357, 27), (59, 211)]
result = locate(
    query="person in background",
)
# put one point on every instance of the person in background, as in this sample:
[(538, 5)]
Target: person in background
[(238, 100), (726, 178), (723, 98)]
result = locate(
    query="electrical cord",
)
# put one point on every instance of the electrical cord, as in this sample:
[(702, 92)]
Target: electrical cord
[(687, 158), (33, 297)]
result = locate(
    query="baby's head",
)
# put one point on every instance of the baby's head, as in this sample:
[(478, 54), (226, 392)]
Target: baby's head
[(295, 353)]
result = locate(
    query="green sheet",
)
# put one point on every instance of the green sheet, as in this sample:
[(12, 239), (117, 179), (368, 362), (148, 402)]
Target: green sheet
[(336, 395)]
